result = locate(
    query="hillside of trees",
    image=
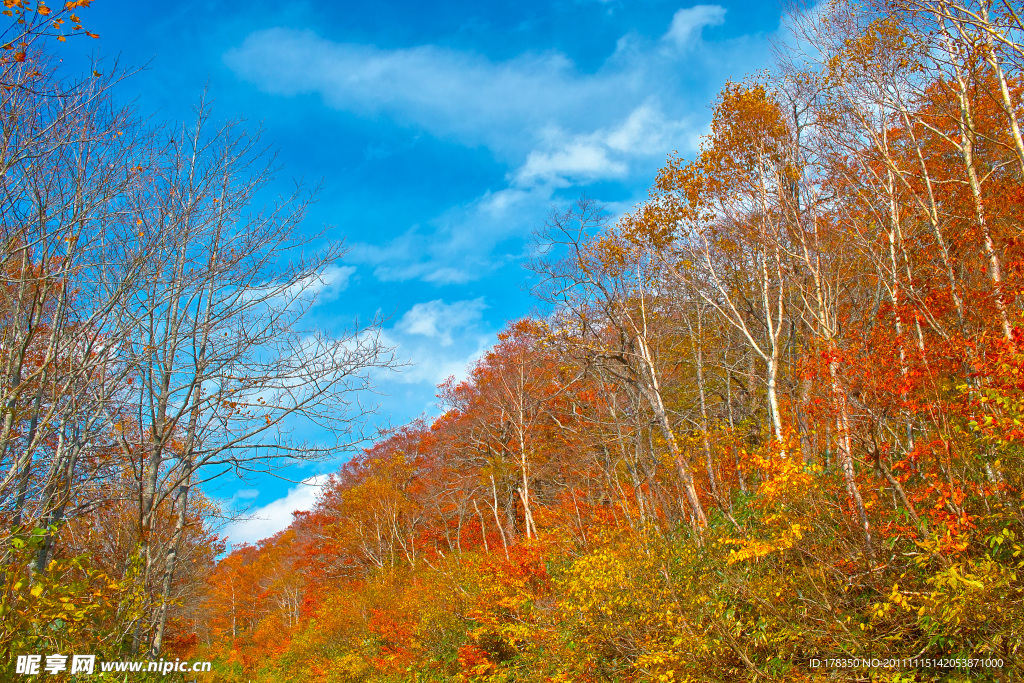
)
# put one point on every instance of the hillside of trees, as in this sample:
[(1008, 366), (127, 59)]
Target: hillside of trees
[(773, 414), (772, 417)]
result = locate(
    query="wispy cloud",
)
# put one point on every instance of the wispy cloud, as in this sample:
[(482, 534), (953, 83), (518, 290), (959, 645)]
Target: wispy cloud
[(440, 339), (465, 97), (331, 282), (687, 24), (457, 246), (320, 287), (455, 95), (264, 522), (437, 320), (566, 160), (556, 128)]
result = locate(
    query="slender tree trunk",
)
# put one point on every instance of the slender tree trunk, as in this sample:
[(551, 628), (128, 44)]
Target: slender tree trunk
[(967, 140), (483, 528), (497, 519), (170, 563), (845, 453), (698, 356)]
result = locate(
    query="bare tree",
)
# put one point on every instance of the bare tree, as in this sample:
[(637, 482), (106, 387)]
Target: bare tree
[(224, 372), (65, 274)]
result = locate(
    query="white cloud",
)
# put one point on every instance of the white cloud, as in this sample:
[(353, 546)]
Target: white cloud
[(434, 256), (456, 247), (319, 287), (606, 153), (436, 319), (332, 281), (687, 24), (457, 95), (647, 131), (439, 339), (574, 161), (556, 128), (275, 516), (323, 286), (434, 367), (466, 98)]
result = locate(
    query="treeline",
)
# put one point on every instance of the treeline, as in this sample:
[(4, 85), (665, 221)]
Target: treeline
[(152, 338), (774, 415)]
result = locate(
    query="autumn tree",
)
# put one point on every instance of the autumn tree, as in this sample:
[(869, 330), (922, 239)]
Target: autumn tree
[(602, 287)]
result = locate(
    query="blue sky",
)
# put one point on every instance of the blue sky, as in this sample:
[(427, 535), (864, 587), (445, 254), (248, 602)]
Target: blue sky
[(442, 133)]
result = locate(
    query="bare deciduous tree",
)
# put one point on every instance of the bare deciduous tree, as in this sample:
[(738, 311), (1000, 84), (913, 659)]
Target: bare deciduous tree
[(224, 372)]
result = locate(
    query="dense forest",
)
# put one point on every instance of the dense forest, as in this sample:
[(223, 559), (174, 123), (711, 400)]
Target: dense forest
[(770, 419)]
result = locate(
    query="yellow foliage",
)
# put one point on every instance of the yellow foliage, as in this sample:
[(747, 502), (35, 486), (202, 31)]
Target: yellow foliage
[(753, 548)]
